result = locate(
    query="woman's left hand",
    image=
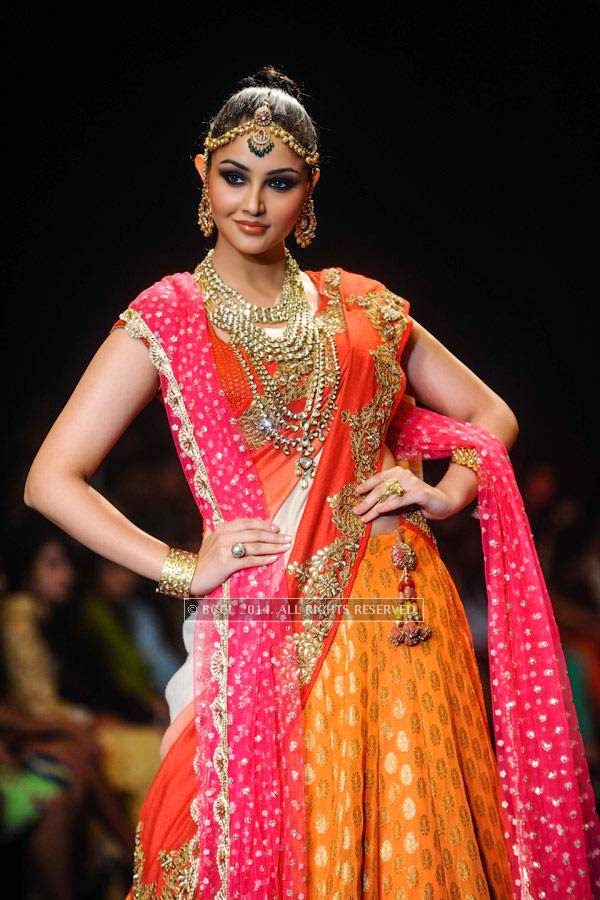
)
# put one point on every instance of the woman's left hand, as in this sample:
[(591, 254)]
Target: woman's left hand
[(434, 503)]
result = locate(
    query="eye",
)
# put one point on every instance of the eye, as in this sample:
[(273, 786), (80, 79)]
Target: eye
[(279, 184), (285, 184), (228, 175)]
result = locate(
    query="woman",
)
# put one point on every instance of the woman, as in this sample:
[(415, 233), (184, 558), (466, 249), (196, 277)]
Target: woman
[(316, 748), (56, 745)]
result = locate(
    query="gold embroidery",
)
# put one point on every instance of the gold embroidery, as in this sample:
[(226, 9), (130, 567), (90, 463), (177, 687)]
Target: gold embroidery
[(136, 326), (323, 578), (416, 517), (179, 870), (386, 312), (368, 424), (331, 318)]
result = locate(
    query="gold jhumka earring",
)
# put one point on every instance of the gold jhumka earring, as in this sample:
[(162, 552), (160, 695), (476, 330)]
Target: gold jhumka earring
[(306, 224), (205, 218), (260, 127)]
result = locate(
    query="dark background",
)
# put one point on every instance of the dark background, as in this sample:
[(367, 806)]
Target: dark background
[(457, 168)]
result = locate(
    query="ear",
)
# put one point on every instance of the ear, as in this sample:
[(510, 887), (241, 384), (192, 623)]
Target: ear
[(315, 178), (200, 165)]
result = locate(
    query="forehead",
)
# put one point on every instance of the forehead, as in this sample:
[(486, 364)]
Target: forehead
[(279, 157)]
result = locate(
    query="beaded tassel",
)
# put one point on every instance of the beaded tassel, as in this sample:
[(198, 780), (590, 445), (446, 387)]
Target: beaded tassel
[(410, 628)]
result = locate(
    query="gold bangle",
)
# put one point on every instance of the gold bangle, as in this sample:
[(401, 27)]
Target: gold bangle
[(177, 573), (466, 456)]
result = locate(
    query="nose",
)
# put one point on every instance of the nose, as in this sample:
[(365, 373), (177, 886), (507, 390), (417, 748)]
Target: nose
[(253, 203)]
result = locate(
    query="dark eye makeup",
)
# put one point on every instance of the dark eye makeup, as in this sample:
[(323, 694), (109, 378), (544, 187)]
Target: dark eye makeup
[(229, 174)]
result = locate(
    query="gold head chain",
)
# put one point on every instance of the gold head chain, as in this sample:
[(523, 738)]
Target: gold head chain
[(261, 126)]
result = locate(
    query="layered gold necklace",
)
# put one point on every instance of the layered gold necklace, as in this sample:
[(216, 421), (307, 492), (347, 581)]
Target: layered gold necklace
[(303, 345)]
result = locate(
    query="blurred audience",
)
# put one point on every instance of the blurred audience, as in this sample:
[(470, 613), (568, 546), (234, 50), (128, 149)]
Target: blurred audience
[(42, 732), (120, 647), (65, 759)]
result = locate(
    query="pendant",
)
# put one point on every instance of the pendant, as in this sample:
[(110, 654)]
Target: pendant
[(410, 629), (306, 468)]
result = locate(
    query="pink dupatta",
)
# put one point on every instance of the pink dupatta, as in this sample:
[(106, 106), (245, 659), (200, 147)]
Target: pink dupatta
[(249, 807), (249, 760), (547, 799)]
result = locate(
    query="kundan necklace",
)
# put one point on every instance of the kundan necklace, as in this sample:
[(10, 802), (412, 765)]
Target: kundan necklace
[(303, 345)]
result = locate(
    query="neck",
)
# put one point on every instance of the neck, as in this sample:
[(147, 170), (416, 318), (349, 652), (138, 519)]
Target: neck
[(258, 277)]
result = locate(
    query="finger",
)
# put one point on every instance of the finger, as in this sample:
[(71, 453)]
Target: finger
[(257, 560), (371, 499), (392, 504), (236, 524), (370, 483), (257, 548), (273, 540), (381, 507)]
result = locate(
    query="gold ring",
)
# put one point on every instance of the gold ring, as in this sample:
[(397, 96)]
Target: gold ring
[(394, 488)]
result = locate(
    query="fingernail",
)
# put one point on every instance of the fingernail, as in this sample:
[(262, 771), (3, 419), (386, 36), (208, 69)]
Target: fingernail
[(274, 527)]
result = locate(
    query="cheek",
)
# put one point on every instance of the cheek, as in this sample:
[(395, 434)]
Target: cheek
[(286, 207), (223, 199)]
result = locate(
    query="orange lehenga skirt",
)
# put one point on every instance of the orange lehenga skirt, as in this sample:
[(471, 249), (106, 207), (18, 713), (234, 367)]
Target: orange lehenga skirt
[(400, 774)]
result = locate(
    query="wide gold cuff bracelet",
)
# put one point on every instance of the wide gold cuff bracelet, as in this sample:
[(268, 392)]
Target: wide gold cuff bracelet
[(177, 573), (466, 456)]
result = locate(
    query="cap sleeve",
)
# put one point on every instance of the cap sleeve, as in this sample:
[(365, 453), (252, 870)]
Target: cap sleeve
[(401, 307), (155, 304), (151, 317)]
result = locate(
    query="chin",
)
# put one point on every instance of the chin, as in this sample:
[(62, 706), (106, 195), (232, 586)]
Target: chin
[(251, 245)]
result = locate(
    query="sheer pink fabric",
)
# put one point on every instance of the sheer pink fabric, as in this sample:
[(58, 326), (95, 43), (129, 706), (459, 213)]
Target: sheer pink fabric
[(548, 808)]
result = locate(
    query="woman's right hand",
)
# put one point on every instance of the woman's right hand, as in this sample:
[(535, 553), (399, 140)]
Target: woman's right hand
[(261, 538)]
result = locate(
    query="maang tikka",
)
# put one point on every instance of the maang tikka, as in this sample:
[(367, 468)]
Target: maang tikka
[(261, 126)]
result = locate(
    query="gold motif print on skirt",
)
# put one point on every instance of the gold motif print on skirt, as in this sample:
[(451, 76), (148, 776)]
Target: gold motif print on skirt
[(400, 774)]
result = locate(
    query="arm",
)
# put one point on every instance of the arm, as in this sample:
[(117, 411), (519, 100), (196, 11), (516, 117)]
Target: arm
[(118, 383), (440, 381)]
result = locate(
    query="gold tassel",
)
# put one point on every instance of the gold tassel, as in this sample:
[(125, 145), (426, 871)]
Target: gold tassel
[(410, 629)]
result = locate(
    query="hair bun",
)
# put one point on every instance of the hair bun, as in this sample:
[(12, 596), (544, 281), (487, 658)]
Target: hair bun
[(271, 77)]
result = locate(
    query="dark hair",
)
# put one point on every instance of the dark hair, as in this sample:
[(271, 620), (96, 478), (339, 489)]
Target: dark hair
[(22, 540), (286, 104)]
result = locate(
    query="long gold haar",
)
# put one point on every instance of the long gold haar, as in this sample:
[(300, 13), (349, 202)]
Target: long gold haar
[(303, 344)]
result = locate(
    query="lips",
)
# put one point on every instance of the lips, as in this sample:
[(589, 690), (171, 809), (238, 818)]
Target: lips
[(250, 226)]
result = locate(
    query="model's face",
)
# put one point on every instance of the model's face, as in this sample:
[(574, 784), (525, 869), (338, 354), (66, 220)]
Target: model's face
[(266, 191)]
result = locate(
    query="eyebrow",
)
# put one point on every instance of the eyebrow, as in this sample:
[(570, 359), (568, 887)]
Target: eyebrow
[(246, 169)]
